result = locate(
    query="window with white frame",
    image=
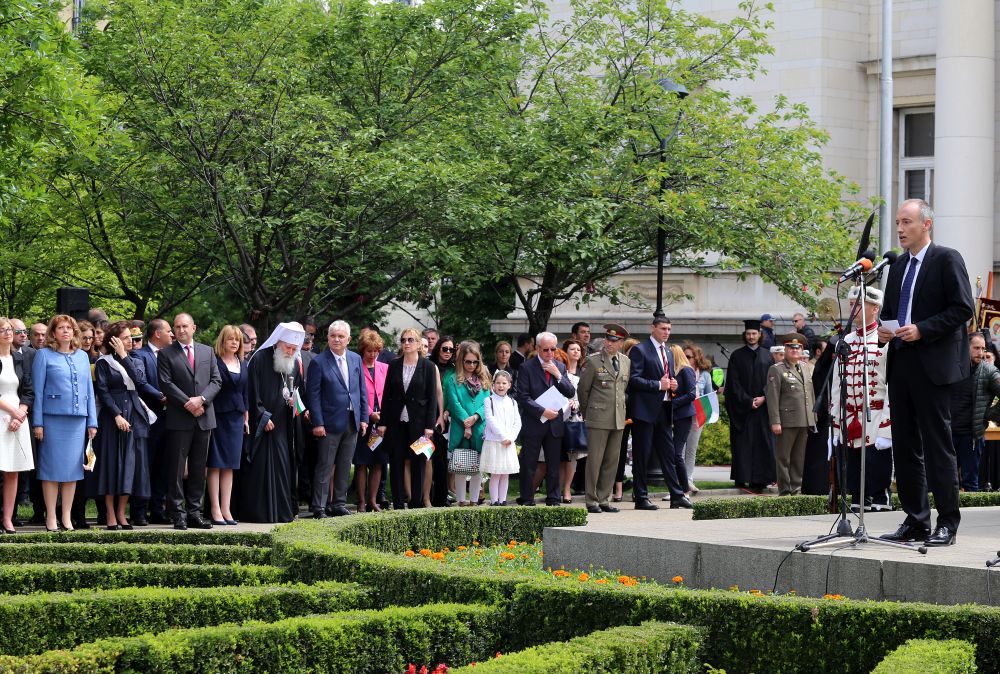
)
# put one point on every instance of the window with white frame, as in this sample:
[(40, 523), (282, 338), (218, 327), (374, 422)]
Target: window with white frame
[(916, 154)]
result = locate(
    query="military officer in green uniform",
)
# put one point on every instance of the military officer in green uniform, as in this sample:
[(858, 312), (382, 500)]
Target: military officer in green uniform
[(790, 400), (601, 393)]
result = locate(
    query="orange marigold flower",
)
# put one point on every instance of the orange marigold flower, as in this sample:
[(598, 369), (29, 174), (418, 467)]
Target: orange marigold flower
[(541, 554), (410, 553), (601, 581), (462, 547), (833, 596), (583, 577), (446, 549), (425, 552), (498, 654), (475, 543), (678, 579), (628, 581), (507, 555), (561, 573), (437, 555)]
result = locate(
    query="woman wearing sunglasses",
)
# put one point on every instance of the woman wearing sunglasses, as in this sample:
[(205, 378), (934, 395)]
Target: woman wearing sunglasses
[(465, 390), (436, 490)]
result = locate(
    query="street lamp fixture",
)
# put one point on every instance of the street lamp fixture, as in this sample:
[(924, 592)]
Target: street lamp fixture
[(678, 90)]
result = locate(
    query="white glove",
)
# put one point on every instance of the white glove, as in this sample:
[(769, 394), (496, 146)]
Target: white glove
[(830, 444), (883, 443)]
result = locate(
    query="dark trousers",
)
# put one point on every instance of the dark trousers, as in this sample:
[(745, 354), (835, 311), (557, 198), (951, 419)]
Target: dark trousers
[(623, 457), (439, 470), (334, 451), (397, 434), (158, 470), (184, 494), (921, 442), (552, 446), (970, 452), (682, 429), (878, 475), (649, 439)]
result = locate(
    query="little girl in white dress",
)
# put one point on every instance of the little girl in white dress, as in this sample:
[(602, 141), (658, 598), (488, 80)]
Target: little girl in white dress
[(503, 423)]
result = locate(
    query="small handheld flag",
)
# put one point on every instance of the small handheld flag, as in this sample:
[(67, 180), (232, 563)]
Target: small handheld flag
[(706, 409)]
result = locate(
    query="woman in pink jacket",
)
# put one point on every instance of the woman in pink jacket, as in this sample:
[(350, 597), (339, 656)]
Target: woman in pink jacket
[(368, 462)]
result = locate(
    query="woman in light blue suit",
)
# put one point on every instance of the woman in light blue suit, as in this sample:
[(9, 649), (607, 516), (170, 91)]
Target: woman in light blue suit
[(64, 416)]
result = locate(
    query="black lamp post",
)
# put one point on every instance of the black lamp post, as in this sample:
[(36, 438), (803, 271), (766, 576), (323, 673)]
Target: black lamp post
[(661, 234)]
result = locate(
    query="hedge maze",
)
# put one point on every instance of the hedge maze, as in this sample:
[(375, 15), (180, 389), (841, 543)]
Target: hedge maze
[(338, 595)]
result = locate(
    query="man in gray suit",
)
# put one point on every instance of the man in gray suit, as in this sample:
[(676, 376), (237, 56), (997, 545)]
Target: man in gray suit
[(602, 400), (190, 379)]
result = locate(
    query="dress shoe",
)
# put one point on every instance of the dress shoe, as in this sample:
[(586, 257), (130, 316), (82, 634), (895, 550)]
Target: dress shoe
[(609, 508), (219, 523), (9, 531), (567, 500), (180, 524), (329, 510), (616, 499), (125, 527), (553, 504), (319, 514), (907, 534), (232, 523), (645, 504), (199, 523), (941, 536), (158, 518), (140, 522), (113, 527), (594, 510), (339, 511), (682, 502)]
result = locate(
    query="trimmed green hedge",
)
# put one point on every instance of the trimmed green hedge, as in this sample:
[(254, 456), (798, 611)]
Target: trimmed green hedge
[(926, 656), (152, 553), (27, 578), (370, 641), (760, 506), (814, 634), (64, 620), (791, 506), (399, 531), (169, 536), (650, 648)]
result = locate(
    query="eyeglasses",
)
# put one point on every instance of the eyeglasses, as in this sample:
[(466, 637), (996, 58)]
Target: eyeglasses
[(471, 362), (552, 350), (447, 349), (137, 339), (6, 330), (407, 340), (21, 332)]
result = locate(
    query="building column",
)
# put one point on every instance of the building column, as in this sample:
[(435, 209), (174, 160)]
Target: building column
[(964, 130)]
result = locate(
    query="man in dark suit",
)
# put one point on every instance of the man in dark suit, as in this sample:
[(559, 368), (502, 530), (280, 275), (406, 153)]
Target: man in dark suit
[(338, 407), (158, 336), (189, 378), (541, 428), (651, 386), (525, 344), (929, 294)]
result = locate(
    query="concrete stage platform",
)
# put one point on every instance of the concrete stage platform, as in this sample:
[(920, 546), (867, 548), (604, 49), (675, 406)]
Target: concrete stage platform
[(748, 552)]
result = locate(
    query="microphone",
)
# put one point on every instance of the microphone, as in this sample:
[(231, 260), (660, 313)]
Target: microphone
[(886, 260), (725, 351), (859, 267)]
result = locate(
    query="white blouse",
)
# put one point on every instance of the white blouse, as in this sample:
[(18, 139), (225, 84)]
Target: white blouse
[(503, 420)]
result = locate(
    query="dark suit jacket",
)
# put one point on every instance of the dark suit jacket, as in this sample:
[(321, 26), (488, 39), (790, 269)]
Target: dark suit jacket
[(687, 391), (178, 383), (149, 391), (942, 305), (233, 396), (645, 396), (531, 384), (328, 396), (420, 398), (22, 368)]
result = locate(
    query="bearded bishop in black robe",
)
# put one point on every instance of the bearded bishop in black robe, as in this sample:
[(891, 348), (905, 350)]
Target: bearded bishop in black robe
[(750, 435), (267, 476)]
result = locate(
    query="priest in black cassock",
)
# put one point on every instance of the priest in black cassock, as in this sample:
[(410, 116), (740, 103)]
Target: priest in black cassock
[(750, 434), (267, 476)]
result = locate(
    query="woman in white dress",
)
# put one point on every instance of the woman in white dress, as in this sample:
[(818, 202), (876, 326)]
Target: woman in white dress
[(16, 397)]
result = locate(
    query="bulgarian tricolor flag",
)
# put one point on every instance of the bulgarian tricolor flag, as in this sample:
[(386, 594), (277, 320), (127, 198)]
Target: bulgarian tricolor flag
[(706, 409), (298, 406)]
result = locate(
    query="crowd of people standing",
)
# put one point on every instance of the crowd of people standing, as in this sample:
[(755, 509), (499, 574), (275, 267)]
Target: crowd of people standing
[(158, 427)]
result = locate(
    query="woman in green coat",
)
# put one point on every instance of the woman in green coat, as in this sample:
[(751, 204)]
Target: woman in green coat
[(465, 390)]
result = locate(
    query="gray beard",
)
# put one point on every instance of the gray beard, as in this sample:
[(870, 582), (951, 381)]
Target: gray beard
[(283, 364)]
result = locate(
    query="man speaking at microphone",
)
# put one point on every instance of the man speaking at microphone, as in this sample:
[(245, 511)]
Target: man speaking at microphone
[(929, 295)]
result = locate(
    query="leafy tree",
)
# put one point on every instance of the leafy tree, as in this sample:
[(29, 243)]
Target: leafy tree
[(582, 187), (312, 154)]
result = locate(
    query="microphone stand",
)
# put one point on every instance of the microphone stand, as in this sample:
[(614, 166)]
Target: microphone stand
[(843, 355)]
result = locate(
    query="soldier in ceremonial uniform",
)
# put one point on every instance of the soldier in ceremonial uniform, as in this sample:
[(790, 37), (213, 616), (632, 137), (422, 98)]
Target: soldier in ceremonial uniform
[(790, 402), (876, 434), (601, 393)]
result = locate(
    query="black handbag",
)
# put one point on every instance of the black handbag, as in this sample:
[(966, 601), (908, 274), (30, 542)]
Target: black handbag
[(575, 436)]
